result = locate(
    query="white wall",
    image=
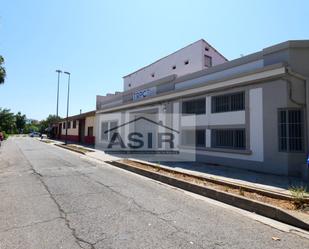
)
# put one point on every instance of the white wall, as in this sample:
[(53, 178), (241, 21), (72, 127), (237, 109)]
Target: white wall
[(194, 53), (221, 74), (233, 118), (179, 121)]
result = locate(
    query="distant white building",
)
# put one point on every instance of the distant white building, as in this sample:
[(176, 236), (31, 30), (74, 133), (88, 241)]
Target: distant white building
[(31, 121), (192, 58)]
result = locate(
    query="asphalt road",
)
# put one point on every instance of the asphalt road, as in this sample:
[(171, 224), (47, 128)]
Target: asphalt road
[(53, 198)]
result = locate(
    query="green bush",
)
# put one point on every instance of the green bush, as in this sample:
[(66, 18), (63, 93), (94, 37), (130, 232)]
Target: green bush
[(5, 135), (30, 128)]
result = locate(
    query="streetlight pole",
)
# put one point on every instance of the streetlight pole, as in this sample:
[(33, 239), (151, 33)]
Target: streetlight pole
[(68, 97), (59, 72)]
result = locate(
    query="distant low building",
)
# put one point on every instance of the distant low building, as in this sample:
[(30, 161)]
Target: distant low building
[(31, 121), (81, 128)]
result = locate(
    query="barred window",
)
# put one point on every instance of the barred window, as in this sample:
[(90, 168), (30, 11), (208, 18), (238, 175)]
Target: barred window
[(112, 125), (104, 127), (200, 137), (228, 138), (208, 61), (228, 102), (74, 124), (107, 126), (63, 125), (69, 124), (193, 137), (197, 106), (290, 123)]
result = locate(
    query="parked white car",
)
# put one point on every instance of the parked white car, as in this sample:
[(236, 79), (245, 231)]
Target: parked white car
[(34, 134)]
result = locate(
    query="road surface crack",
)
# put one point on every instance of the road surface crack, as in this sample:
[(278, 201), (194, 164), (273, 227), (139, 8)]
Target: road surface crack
[(63, 214), (29, 225), (145, 210)]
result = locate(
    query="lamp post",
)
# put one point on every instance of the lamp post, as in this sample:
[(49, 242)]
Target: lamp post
[(59, 72), (68, 97)]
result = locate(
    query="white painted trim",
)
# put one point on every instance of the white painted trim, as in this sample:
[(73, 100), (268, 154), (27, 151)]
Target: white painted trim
[(256, 124)]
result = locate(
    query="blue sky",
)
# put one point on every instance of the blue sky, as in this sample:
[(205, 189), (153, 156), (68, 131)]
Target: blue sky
[(100, 41)]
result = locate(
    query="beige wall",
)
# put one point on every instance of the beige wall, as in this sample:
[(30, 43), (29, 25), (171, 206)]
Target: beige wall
[(90, 121), (71, 131)]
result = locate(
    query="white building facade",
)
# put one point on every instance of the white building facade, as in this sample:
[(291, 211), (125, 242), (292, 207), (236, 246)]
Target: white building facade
[(249, 113), (192, 58)]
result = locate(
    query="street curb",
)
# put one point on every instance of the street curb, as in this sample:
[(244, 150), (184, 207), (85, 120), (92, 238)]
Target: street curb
[(231, 199), (247, 188), (69, 148)]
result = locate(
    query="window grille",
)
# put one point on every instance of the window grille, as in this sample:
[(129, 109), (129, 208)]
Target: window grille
[(107, 126), (228, 138), (208, 61), (197, 106), (193, 137), (290, 122), (228, 102)]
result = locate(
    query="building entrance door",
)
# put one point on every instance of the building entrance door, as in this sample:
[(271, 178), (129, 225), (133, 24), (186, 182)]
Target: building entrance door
[(81, 130), (146, 125)]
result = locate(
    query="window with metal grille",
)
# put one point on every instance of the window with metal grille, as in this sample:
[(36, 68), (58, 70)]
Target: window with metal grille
[(74, 124), (193, 137), (290, 122), (63, 125), (200, 138), (228, 138), (112, 125), (208, 61), (197, 106), (104, 127), (228, 102), (69, 124), (107, 126)]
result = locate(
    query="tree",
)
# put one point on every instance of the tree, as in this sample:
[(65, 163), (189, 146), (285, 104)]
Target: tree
[(20, 121), (7, 120), (30, 128), (2, 70), (48, 122)]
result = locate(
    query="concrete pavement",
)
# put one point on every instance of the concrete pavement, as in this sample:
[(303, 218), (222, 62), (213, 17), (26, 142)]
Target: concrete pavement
[(53, 198)]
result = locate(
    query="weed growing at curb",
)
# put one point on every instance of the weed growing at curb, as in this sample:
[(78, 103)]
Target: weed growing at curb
[(298, 193), (241, 191)]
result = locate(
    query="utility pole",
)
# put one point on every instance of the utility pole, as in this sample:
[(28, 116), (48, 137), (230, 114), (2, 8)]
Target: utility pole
[(68, 98), (59, 72)]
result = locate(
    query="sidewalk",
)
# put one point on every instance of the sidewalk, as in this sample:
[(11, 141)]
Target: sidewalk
[(270, 182), (240, 178), (275, 183)]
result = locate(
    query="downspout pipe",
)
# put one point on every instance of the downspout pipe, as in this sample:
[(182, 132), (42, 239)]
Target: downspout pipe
[(306, 104)]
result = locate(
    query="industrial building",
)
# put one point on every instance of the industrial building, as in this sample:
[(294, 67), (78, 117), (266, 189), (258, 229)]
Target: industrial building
[(250, 113)]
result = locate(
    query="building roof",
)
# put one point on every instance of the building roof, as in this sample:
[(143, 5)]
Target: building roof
[(80, 116)]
